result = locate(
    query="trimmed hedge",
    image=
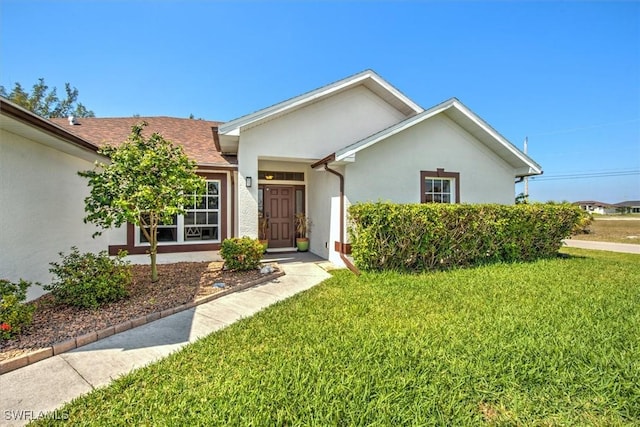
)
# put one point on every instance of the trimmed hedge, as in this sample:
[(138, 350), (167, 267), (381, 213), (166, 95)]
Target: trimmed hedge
[(418, 237)]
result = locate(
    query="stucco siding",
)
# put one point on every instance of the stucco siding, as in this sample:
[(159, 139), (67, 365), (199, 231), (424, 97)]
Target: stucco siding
[(309, 133), (390, 169), (41, 209), (323, 127), (324, 211)]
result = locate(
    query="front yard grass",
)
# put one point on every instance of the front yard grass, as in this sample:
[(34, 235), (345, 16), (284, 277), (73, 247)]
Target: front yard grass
[(554, 342)]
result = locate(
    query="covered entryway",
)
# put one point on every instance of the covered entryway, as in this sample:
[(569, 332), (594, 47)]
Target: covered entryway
[(279, 210)]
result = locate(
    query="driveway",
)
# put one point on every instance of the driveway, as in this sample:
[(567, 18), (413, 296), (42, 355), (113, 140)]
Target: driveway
[(603, 246)]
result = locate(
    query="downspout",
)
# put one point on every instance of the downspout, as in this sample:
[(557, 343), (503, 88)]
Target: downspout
[(344, 259), (233, 204)]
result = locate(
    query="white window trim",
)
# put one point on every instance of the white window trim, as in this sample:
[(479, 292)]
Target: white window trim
[(452, 177), (180, 227)]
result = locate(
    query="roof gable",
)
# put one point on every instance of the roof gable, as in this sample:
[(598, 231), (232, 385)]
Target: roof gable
[(469, 121), (368, 78), (197, 137)]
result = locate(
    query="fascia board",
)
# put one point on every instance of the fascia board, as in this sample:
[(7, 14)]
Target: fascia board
[(352, 149), (395, 92), (536, 168), (235, 126)]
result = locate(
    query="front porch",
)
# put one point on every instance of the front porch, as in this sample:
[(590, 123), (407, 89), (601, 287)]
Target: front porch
[(283, 189)]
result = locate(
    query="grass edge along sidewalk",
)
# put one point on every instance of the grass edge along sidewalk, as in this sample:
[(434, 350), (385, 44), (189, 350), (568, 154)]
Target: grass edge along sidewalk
[(550, 342)]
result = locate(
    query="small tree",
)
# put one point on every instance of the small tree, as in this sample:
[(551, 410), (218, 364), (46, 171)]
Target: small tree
[(147, 182)]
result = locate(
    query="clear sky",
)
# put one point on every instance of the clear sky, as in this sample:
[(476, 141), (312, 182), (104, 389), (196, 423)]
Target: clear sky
[(564, 74)]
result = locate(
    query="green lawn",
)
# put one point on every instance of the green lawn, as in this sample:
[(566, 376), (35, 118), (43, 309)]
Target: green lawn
[(555, 342)]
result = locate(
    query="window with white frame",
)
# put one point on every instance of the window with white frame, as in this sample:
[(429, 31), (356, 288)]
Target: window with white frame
[(166, 232), (200, 223), (439, 186), (202, 218)]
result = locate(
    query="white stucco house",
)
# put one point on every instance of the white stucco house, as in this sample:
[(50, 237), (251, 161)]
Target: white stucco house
[(357, 139), (595, 207)]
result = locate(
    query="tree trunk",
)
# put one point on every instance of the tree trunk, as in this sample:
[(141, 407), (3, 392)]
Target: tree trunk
[(154, 267), (153, 250)]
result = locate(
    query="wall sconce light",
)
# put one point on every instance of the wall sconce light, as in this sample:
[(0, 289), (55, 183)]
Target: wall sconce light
[(248, 181)]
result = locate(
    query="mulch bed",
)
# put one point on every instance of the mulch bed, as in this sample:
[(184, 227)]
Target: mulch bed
[(179, 283)]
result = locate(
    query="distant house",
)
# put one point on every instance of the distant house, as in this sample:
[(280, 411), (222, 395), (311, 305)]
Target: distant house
[(595, 207), (357, 139), (629, 206)]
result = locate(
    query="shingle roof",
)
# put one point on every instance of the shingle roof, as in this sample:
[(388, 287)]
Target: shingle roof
[(195, 136), (593, 203), (628, 203)]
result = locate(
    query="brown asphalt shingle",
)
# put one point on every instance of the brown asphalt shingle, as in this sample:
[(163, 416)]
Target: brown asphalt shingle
[(195, 136)]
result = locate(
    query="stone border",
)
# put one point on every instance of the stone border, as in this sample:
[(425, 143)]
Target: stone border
[(82, 340)]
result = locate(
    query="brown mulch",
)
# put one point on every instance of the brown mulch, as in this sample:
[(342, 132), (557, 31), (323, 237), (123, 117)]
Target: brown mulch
[(178, 284)]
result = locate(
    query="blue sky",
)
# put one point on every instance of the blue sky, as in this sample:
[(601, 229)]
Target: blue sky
[(564, 74)]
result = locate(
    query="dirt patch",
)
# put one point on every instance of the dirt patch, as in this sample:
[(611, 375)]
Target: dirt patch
[(615, 230), (178, 284)]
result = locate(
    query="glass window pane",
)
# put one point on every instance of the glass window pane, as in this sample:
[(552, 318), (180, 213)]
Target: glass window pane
[(446, 184), (437, 198), (446, 198), (189, 218), (167, 234), (429, 198), (212, 188), (212, 218), (212, 202), (429, 185), (437, 185), (201, 217)]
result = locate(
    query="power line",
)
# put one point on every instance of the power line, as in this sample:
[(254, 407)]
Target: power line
[(584, 175), (577, 129)]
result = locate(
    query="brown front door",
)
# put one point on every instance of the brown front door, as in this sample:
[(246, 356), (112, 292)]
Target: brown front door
[(278, 208)]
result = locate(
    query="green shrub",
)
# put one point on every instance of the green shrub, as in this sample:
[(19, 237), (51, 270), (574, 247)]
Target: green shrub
[(14, 314), (583, 224), (89, 280), (418, 237), (241, 253)]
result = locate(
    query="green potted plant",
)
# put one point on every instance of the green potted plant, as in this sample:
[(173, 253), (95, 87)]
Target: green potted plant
[(302, 227), (263, 227)]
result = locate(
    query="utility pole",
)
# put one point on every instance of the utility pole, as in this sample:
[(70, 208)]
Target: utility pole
[(526, 178)]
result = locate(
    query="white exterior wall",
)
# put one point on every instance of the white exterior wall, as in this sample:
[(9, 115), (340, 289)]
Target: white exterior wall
[(41, 209), (390, 169), (324, 205), (307, 134)]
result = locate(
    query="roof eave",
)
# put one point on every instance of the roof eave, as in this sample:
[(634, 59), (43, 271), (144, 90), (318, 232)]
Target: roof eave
[(25, 116), (532, 168), (233, 127)]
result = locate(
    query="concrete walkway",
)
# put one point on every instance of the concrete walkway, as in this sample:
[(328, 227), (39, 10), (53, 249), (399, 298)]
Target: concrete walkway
[(603, 246), (36, 389)]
